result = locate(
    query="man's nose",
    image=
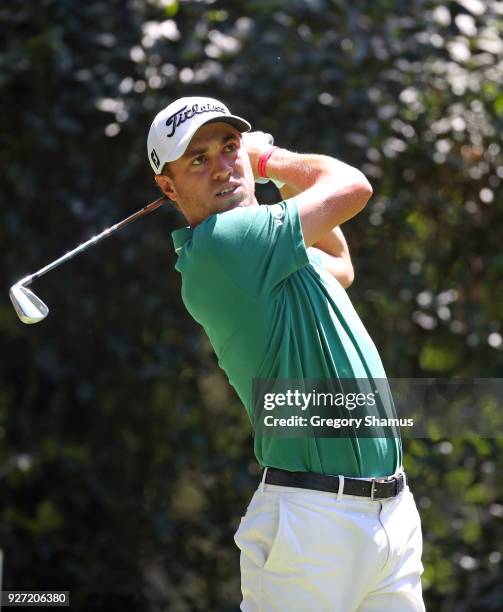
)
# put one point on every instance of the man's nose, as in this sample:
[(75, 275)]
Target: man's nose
[(223, 167)]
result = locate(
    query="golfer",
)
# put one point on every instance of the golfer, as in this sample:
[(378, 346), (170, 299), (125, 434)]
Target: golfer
[(333, 524)]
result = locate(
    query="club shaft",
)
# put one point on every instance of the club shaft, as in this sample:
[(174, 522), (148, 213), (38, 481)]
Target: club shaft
[(104, 234)]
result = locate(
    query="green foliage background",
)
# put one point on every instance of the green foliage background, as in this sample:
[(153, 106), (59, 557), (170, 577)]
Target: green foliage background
[(126, 460)]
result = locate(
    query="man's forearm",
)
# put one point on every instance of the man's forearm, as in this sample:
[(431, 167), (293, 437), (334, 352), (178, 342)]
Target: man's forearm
[(300, 171), (334, 244), (336, 258)]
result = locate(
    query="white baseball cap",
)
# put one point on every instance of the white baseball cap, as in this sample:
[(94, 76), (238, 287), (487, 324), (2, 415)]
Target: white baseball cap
[(173, 128)]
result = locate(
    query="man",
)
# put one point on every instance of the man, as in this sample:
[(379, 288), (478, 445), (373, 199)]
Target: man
[(333, 525)]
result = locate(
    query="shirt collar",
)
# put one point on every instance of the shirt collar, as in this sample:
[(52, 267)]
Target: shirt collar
[(181, 236)]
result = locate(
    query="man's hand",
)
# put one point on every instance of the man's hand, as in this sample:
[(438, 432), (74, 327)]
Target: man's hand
[(257, 143)]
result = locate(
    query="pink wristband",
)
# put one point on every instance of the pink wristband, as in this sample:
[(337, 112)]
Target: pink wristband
[(262, 161)]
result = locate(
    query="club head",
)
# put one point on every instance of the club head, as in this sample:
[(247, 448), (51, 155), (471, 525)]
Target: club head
[(29, 308)]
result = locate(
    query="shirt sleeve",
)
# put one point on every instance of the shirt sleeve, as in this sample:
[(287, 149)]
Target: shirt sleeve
[(259, 247)]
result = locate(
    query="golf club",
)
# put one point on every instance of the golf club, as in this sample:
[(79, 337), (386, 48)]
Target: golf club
[(30, 308)]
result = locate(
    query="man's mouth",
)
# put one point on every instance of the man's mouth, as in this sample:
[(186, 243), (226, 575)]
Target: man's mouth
[(227, 191)]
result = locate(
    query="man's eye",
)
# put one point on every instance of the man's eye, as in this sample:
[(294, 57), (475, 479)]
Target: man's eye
[(197, 161), (231, 147)]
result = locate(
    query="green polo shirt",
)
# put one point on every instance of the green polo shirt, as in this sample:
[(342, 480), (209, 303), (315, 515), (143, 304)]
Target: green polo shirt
[(271, 311)]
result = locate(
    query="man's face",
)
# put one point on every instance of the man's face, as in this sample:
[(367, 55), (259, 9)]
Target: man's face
[(213, 175)]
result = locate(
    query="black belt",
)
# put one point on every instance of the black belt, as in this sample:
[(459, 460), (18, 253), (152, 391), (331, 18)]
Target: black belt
[(377, 488)]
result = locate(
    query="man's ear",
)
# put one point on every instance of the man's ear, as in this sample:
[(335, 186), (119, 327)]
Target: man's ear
[(165, 184)]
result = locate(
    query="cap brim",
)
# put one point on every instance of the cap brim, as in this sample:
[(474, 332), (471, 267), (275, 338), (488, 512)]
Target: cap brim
[(240, 124)]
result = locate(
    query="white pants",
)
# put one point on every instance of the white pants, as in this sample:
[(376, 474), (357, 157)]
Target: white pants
[(304, 550)]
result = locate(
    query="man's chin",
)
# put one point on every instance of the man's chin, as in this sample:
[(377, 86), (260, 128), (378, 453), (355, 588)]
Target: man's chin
[(235, 201)]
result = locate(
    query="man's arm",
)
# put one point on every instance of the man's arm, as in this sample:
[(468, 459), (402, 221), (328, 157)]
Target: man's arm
[(334, 251), (333, 248), (329, 191)]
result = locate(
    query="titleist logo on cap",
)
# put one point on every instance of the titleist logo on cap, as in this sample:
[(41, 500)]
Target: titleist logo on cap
[(182, 115)]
